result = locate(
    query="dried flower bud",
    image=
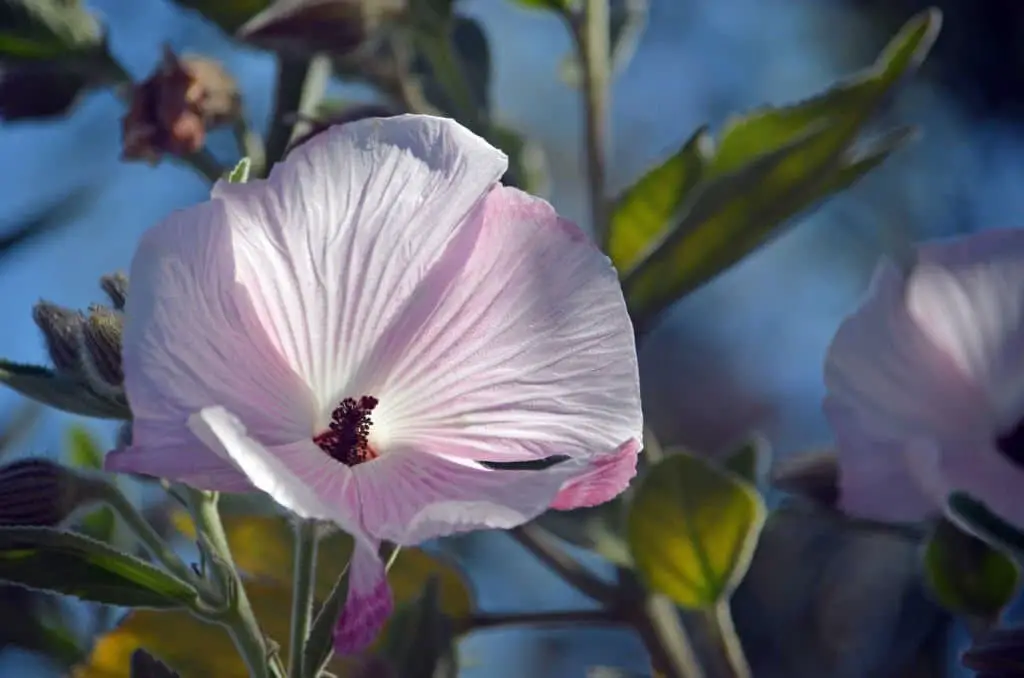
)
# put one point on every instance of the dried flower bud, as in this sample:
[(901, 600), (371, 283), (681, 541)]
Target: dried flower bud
[(171, 110), (1000, 654), (100, 349), (60, 327), (145, 665), (116, 287), (305, 27), (39, 492), (348, 115)]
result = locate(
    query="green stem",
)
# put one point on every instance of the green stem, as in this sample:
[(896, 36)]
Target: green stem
[(301, 84), (538, 542), (303, 581), (590, 33), (719, 621), (672, 655), (150, 539), (239, 619)]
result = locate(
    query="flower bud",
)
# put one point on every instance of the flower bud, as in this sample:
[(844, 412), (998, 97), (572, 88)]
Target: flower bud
[(40, 492), (1000, 654), (60, 327), (116, 287), (171, 110), (306, 27), (100, 344)]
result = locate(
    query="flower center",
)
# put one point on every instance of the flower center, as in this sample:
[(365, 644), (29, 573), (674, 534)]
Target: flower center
[(1011, 444), (347, 436)]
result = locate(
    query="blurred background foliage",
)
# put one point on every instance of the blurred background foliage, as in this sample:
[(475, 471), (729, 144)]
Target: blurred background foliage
[(740, 354)]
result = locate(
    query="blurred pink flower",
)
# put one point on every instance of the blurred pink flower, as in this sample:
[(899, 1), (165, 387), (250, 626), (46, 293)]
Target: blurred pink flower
[(357, 333), (926, 383)]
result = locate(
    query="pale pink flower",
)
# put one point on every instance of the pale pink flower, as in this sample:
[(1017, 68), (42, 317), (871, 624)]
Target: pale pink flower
[(357, 333), (926, 383)]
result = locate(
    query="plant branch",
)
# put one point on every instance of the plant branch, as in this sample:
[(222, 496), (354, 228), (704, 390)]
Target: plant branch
[(301, 84), (590, 32), (543, 546), (204, 164), (303, 580), (568, 618)]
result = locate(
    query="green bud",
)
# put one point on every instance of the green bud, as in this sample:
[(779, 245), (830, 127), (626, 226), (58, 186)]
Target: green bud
[(116, 287), (100, 345), (40, 492), (60, 327)]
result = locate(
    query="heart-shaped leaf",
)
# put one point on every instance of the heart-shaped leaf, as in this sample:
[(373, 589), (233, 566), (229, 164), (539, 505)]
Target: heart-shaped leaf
[(692, 528)]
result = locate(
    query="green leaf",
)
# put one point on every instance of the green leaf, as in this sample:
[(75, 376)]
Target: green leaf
[(751, 460), (82, 450), (692, 529), (968, 576), (71, 564), (973, 516), (644, 211), (230, 15), (50, 388), (240, 174), (805, 152), (454, 67), (46, 29)]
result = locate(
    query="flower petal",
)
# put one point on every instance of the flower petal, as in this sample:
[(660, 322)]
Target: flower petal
[(518, 345), (882, 366), (192, 339), (334, 243), (368, 605), (299, 476), (607, 478), (977, 468), (967, 296), (876, 481), (409, 496)]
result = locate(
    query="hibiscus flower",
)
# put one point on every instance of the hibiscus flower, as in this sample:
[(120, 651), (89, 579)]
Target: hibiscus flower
[(926, 383), (359, 333)]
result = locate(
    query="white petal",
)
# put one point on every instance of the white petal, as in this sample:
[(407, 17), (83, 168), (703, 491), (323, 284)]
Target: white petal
[(409, 496), (884, 368), (967, 295), (333, 244), (517, 346), (192, 339), (300, 476)]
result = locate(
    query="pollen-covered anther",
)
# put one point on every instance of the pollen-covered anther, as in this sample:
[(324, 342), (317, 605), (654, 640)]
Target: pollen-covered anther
[(347, 438)]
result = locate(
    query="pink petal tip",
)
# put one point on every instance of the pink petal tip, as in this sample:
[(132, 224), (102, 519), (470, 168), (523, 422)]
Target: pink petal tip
[(607, 478), (362, 619)]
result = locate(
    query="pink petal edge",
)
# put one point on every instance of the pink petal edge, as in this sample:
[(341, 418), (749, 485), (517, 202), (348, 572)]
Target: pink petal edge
[(608, 477)]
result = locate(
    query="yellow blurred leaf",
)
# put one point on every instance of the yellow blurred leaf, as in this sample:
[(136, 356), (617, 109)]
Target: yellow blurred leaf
[(692, 528), (262, 549)]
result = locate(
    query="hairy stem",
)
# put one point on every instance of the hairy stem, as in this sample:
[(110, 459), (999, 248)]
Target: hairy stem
[(239, 619), (672, 654), (303, 581)]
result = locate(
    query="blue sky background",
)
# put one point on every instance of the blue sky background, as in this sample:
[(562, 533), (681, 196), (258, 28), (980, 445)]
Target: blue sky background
[(744, 352)]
